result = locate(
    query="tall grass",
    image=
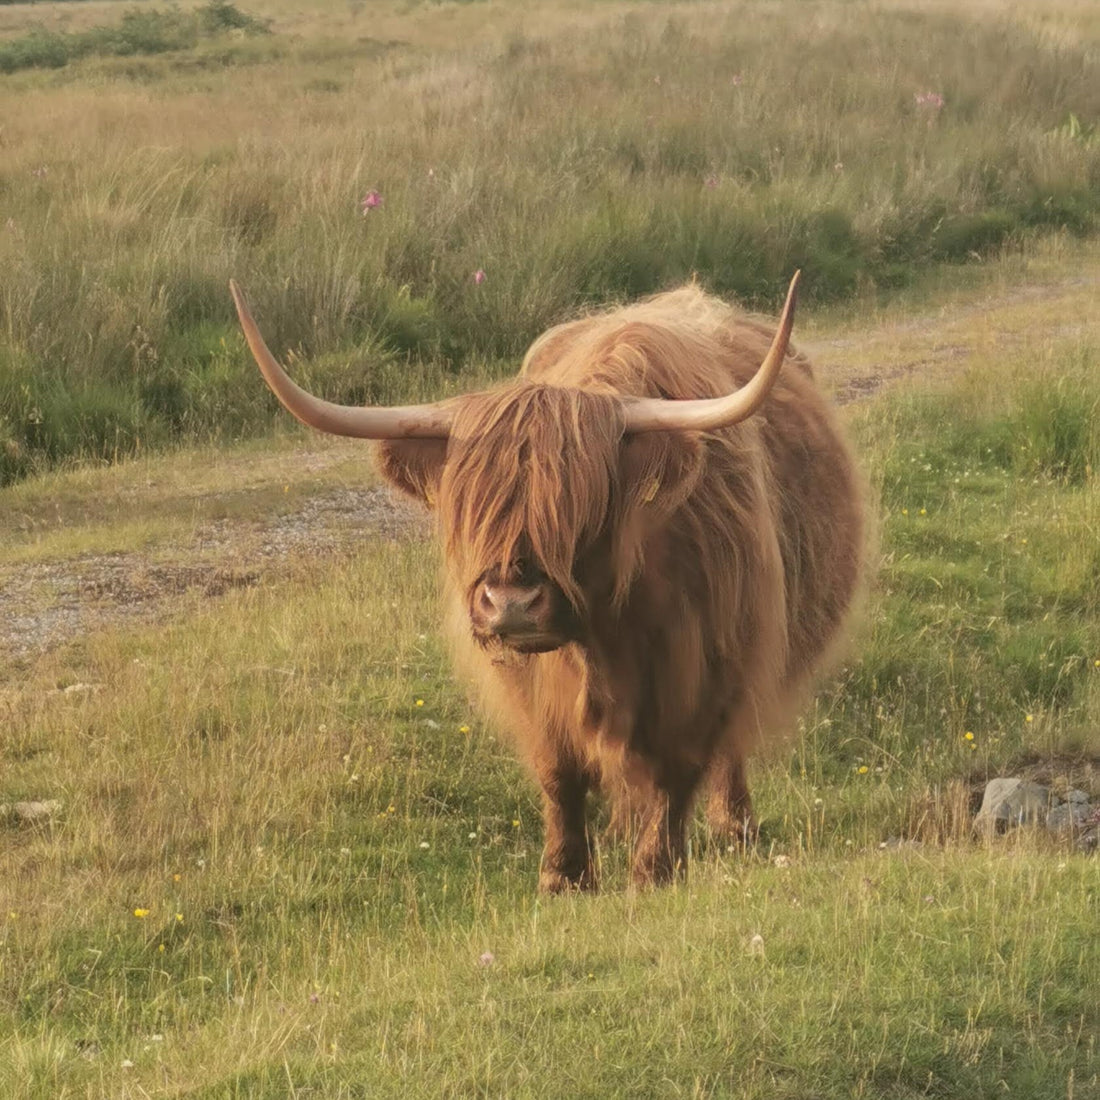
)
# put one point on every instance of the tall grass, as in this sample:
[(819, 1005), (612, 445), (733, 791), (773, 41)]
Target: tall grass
[(615, 150)]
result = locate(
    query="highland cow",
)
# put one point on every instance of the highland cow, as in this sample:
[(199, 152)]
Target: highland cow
[(651, 540)]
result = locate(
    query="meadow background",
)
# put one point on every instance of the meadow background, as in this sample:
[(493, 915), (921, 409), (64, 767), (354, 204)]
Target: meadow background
[(289, 859)]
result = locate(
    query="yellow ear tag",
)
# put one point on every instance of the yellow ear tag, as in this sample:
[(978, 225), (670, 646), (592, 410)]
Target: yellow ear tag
[(651, 492)]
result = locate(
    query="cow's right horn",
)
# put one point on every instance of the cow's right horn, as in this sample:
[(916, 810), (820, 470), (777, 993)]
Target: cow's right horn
[(397, 422)]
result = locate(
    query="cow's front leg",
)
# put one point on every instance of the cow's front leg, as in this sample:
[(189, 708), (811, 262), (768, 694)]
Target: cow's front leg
[(567, 862)]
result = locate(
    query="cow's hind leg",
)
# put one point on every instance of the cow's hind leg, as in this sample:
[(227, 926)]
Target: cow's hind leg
[(567, 862), (729, 806), (660, 853)]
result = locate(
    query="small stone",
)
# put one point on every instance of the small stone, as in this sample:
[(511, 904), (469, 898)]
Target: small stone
[(1009, 801), (81, 689), (1071, 817), (1089, 842), (1077, 797), (756, 945), (896, 843), (33, 812)]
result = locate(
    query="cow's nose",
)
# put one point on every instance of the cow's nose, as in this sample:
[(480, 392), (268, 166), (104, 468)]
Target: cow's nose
[(510, 608)]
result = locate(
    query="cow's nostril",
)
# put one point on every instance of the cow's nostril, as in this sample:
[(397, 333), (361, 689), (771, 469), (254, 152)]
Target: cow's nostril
[(507, 608)]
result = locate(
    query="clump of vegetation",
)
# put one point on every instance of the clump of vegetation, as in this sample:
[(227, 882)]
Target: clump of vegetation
[(138, 33)]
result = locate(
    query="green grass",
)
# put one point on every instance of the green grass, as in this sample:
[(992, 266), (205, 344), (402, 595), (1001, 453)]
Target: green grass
[(137, 33), (324, 839), (617, 149)]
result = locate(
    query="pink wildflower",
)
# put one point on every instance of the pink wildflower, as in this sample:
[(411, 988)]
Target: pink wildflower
[(711, 182), (486, 959), (479, 277), (737, 80), (932, 100), (369, 201)]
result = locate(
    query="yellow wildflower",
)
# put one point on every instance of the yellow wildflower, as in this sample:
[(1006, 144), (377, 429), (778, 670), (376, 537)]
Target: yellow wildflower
[(141, 914), (968, 736)]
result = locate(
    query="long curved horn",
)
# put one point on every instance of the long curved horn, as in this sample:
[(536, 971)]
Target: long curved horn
[(396, 422), (655, 414)]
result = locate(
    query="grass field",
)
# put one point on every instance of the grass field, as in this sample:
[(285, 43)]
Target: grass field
[(288, 848), (290, 860)]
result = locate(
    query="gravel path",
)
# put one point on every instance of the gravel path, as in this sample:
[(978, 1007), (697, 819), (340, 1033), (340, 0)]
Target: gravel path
[(47, 604)]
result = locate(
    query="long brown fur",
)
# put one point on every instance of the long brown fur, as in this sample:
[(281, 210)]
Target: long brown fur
[(710, 571)]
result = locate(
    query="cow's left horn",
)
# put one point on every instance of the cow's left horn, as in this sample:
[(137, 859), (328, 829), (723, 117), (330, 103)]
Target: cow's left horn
[(647, 414), (395, 422)]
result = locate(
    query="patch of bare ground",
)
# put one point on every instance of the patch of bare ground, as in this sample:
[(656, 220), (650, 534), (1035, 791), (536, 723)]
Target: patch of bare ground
[(46, 604), (937, 343)]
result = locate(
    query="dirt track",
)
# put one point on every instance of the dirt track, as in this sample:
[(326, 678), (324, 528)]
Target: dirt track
[(46, 604)]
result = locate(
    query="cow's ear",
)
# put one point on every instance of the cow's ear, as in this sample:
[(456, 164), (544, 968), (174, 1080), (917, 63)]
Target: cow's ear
[(659, 470), (414, 466)]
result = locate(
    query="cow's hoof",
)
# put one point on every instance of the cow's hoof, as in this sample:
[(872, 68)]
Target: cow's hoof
[(662, 871), (732, 833), (558, 882)]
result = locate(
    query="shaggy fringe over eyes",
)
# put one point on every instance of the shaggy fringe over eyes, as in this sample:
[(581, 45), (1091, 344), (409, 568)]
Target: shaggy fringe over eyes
[(529, 475)]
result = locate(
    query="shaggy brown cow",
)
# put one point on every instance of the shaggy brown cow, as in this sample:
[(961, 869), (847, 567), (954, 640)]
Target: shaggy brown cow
[(641, 574)]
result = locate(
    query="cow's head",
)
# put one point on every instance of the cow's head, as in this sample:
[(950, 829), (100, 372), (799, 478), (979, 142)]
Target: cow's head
[(544, 493)]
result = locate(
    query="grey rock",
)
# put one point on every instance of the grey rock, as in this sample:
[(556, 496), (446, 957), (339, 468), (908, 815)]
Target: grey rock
[(1089, 842), (34, 812), (898, 843), (1077, 796), (1010, 801), (1071, 817)]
